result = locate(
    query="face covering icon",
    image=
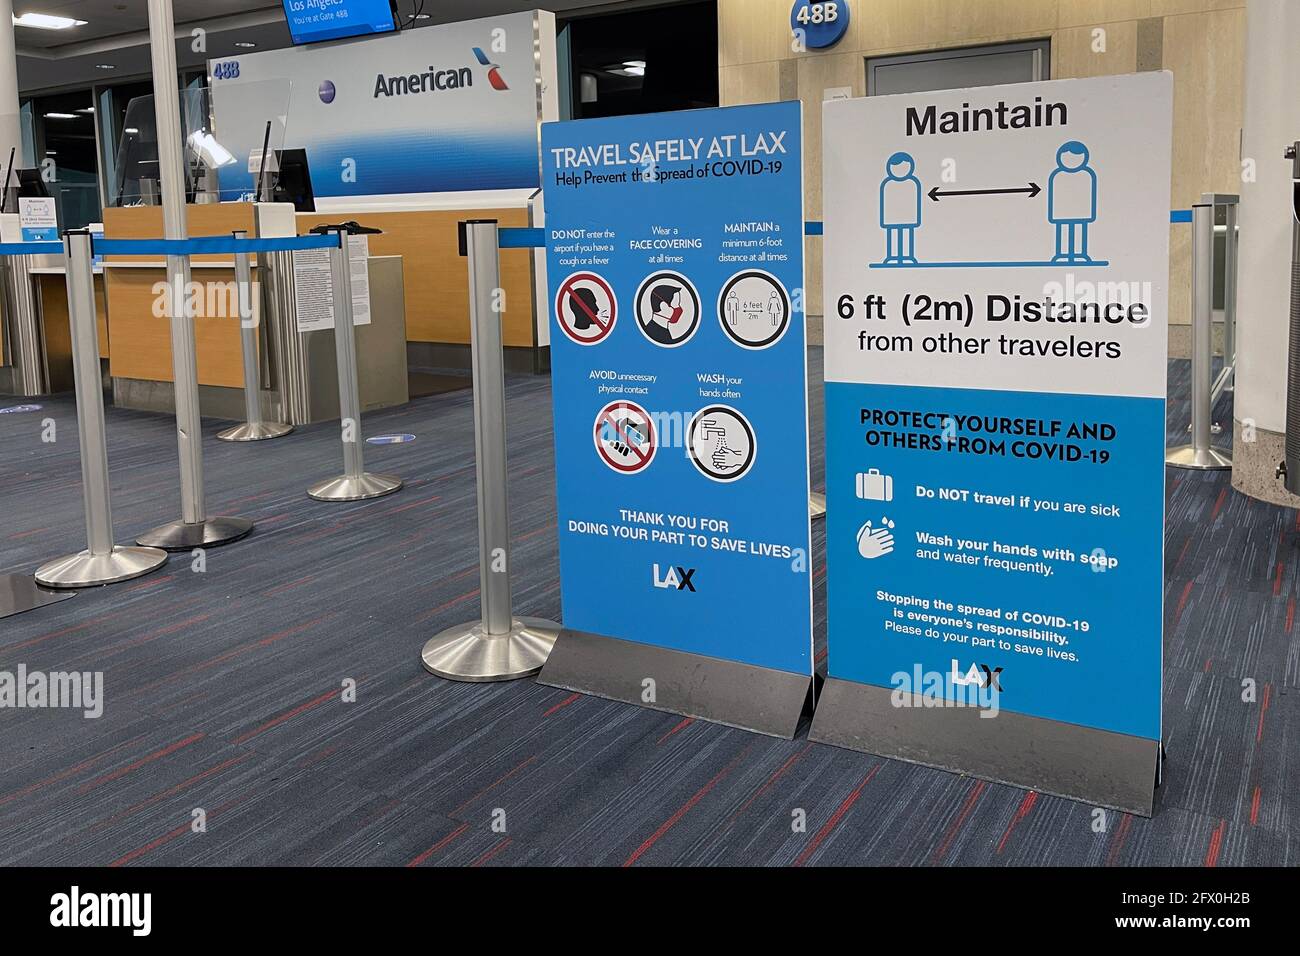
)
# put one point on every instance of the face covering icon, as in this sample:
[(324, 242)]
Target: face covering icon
[(664, 299)]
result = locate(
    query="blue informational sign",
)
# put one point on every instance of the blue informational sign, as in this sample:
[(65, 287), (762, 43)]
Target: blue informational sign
[(675, 263), (820, 23), (311, 21)]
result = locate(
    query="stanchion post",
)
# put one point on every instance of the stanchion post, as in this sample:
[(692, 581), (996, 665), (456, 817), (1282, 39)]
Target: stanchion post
[(1230, 249), (499, 646), (355, 484), (253, 428), (194, 529), (1200, 455), (101, 562)]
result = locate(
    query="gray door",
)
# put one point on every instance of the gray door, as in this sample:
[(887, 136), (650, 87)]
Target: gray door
[(958, 69)]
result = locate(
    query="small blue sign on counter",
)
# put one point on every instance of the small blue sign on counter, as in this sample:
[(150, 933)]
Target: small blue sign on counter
[(401, 439)]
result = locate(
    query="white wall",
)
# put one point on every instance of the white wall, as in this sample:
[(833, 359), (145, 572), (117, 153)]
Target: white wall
[(1272, 121)]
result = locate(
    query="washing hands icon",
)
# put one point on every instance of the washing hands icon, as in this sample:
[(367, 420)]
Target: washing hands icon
[(875, 542)]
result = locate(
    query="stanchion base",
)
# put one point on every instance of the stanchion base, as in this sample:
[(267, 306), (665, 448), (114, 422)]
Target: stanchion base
[(465, 652), (1206, 459), (255, 431), (344, 488), (817, 505), (181, 536), (87, 570), (20, 593)]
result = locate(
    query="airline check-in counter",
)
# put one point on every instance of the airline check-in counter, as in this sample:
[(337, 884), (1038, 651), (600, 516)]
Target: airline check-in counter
[(419, 308), (35, 341)]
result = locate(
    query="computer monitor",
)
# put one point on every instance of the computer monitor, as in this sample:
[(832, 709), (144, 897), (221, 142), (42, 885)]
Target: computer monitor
[(293, 182), (31, 185)]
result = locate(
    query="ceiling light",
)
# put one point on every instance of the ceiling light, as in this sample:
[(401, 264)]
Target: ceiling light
[(60, 115), (635, 71), (640, 63), (105, 66), (244, 44), (130, 129), (43, 21), (422, 16), (86, 109)]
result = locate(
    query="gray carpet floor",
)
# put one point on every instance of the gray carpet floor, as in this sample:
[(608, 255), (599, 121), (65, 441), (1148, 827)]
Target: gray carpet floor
[(225, 688)]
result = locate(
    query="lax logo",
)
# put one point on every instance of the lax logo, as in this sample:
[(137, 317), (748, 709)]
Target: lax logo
[(677, 579), (981, 675)]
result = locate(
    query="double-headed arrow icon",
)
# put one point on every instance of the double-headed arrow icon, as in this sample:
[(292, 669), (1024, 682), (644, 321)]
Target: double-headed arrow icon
[(1032, 190)]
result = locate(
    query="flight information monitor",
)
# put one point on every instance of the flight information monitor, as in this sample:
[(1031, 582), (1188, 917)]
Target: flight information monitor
[(312, 21)]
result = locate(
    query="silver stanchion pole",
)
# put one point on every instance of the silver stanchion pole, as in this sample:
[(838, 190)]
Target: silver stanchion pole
[(355, 483), (101, 562), (1230, 250), (194, 529), (499, 646), (1199, 454), (253, 428)]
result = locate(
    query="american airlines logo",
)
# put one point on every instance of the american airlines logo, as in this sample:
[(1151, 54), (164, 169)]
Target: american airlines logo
[(494, 72), (434, 80)]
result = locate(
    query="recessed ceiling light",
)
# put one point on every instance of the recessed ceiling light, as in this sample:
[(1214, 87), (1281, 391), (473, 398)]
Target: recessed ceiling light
[(60, 115), (421, 16), (43, 21), (86, 109), (244, 44), (105, 66), (640, 63), (131, 129)]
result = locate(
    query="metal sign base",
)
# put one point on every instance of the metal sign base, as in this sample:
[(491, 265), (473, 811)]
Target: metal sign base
[(86, 570), (816, 505), (1099, 767), (467, 653), (255, 431), (345, 488), (20, 593), (184, 536), (753, 698), (1198, 459)]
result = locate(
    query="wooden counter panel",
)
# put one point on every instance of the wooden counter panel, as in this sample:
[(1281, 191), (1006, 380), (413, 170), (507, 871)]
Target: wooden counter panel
[(434, 276), (203, 219), (54, 315), (140, 343)]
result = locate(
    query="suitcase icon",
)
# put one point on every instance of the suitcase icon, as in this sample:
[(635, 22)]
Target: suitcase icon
[(874, 486)]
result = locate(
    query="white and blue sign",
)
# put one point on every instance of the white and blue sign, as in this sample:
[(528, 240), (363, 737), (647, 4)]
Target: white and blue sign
[(38, 218), (675, 258), (996, 271), (820, 23), (443, 108)]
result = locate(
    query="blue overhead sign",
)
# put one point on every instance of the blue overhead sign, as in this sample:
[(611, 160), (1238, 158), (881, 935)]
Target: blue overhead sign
[(312, 21), (675, 260)]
